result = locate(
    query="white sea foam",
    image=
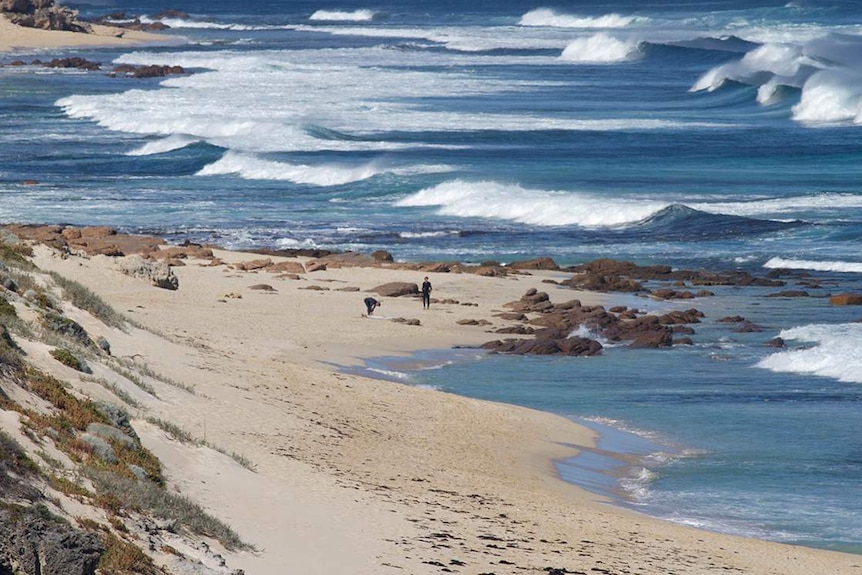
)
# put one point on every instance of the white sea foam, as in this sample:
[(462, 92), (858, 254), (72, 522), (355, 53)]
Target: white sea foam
[(251, 167), (824, 67), (553, 19), (362, 15), (537, 207), (821, 266), (600, 48), (163, 145), (834, 355), (419, 235), (281, 101), (199, 25), (790, 207)]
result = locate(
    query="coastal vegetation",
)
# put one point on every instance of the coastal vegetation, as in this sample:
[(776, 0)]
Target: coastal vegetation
[(70, 446)]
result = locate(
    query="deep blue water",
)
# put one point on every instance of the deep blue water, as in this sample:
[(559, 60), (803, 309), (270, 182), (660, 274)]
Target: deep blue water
[(717, 135)]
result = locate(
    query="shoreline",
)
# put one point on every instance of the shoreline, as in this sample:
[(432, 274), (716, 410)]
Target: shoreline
[(16, 39), (381, 468)]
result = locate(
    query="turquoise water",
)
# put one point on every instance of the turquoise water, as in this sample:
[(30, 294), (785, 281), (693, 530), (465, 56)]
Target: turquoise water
[(716, 135)]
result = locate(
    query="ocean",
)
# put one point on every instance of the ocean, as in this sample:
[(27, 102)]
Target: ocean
[(704, 134)]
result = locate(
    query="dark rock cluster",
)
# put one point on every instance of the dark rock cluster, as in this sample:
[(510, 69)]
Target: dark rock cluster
[(123, 20), (43, 14), (555, 328)]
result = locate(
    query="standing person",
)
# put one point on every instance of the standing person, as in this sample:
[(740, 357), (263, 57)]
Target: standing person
[(426, 294), (371, 304)]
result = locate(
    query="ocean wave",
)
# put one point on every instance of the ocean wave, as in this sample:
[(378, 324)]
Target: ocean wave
[(785, 208), (200, 25), (362, 15), (550, 18), (835, 355), (825, 70), (420, 235), (600, 48), (251, 167), (820, 266), (163, 145), (535, 207)]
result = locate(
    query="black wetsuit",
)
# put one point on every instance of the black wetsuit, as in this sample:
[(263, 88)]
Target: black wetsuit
[(370, 303), (426, 294)]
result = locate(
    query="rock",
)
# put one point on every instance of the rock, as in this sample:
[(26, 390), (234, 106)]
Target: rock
[(410, 321), (543, 263), (262, 287), (74, 62), (748, 327), (846, 299), (156, 272), (289, 267), (253, 265), (775, 342), (653, 340), (732, 319), (396, 289), (43, 14), (473, 322), (382, 256), (790, 293), (315, 266), (35, 543)]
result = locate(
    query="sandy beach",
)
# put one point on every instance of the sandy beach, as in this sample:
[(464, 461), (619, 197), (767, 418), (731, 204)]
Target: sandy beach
[(19, 39), (363, 476), (352, 475)]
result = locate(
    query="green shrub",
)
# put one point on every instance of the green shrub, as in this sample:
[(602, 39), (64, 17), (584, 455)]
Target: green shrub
[(10, 353), (69, 359), (68, 328), (122, 557), (82, 298), (147, 497), (7, 309)]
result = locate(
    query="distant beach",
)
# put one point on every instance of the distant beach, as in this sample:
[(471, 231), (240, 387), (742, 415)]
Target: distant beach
[(15, 38)]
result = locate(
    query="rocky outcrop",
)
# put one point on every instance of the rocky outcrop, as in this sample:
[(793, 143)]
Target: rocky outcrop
[(396, 289), (31, 543), (556, 329), (846, 299), (607, 275), (43, 14), (156, 272)]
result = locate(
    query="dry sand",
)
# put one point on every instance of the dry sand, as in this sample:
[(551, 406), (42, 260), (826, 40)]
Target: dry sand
[(362, 476), (21, 39)]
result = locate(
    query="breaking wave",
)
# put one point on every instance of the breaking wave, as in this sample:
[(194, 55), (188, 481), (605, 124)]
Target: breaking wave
[(362, 15), (835, 355), (826, 70), (251, 167), (552, 19), (820, 266), (536, 207), (599, 48), (174, 142)]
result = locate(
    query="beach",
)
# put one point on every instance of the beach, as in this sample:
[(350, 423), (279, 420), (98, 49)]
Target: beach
[(316, 466), (362, 475)]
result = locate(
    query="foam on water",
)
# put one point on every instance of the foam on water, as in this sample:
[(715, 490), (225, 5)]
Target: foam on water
[(537, 207), (551, 18), (163, 145), (251, 167), (822, 266), (825, 68), (361, 15), (835, 353), (599, 48)]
